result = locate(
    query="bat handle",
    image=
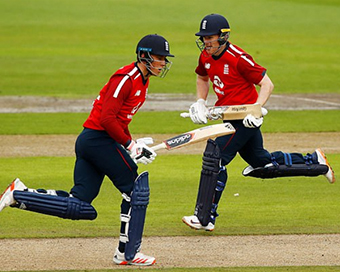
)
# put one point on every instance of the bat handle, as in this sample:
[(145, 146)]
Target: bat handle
[(159, 146), (210, 115), (185, 114)]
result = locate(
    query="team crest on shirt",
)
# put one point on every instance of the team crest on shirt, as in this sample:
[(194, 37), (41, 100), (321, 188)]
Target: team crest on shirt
[(226, 69), (138, 93), (207, 65)]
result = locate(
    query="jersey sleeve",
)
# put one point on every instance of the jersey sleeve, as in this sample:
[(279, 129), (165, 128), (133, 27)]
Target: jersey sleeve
[(250, 70), (200, 70), (118, 90)]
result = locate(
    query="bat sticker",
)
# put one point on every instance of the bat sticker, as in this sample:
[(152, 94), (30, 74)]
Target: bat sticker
[(179, 140)]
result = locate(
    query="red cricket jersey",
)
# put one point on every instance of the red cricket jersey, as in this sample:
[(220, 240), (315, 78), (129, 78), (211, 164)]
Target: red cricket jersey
[(233, 75), (117, 102)]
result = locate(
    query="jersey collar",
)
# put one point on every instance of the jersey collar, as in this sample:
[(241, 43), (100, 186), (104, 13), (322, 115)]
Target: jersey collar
[(144, 80), (220, 55)]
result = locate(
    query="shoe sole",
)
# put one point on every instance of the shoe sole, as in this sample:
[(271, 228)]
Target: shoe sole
[(194, 227), (11, 186), (327, 163), (135, 263)]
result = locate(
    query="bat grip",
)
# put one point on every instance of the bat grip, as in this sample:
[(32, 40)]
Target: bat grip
[(159, 146), (211, 115)]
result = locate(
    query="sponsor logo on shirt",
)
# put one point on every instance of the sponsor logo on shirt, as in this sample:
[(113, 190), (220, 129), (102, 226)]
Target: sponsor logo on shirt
[(135, 109), (218, 82), (217, 90), (218, 85)]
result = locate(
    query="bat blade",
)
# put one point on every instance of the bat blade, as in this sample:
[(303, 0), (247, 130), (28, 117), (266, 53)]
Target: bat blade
[(195, 136), (236, 112)]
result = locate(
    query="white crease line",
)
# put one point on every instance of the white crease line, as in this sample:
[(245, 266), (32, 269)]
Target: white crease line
[(307, 99)]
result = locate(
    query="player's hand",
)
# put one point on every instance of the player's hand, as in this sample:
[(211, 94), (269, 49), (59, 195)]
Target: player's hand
[(264, 111), (198, 112), (145, 140), (140, 152), (250, 121)]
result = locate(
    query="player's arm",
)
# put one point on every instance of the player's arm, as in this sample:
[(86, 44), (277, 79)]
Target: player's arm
[(202, 87), (198, 110), (266, 89), (118, 92), (114, 99), (257, 75)]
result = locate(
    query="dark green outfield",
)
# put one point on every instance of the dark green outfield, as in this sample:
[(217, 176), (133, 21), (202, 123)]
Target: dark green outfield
[(70, 48)]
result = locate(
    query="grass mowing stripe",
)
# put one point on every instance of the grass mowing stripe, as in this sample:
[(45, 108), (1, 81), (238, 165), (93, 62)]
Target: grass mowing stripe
[(305, 205), (162, 122), (46, 50)]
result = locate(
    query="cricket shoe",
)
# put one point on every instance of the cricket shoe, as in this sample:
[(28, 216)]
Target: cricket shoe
[(7, 199), (139, 259), (193, 222), (323, 160)]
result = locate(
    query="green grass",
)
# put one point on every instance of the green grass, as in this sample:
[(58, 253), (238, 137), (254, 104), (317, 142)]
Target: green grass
[(70, 48), (305, 205), (71, 123)]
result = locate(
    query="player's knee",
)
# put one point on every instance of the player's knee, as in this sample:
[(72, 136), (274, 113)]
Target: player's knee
[(211, 157), (78, 209)]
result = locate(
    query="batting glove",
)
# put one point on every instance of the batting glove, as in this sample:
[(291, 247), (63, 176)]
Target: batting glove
[(140, 152), (250, 121), (264, 111), (145, 140), (199, 111)]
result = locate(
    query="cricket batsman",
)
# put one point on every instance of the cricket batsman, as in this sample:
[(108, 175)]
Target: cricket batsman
[(234, 75), (105, 148)]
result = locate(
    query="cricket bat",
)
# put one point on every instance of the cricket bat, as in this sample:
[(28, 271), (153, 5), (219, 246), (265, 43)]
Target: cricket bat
[(195, 136), (236, 112)]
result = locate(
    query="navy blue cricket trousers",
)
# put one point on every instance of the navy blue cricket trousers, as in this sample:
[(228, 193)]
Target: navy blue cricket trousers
[(248, 142), (97, 155)]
